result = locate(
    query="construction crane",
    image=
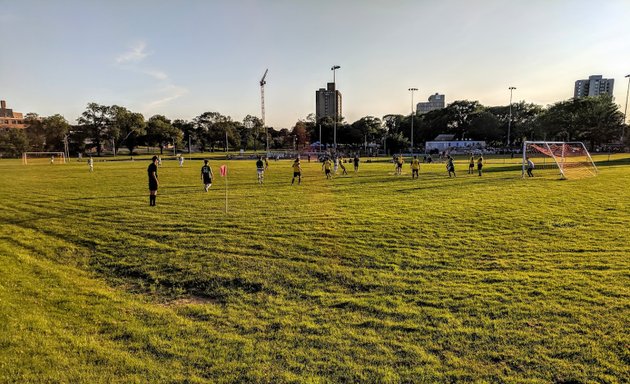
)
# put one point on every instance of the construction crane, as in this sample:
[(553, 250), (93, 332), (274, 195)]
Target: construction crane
[(262, 106)]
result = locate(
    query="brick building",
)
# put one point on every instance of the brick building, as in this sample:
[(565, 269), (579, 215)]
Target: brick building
[(10, 119)]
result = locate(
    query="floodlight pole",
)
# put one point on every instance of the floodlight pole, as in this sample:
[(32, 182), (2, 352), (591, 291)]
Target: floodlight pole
[(510, 121), (412, 117), (623, 127), (334, 68)]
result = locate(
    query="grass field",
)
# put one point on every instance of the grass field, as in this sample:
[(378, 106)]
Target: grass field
[(370, 278)]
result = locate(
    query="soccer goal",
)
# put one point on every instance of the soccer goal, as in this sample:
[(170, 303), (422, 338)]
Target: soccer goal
[(570, 159), (43, 158)]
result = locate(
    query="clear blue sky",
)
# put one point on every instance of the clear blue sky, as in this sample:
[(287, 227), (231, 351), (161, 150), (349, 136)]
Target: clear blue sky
[(183, 58)]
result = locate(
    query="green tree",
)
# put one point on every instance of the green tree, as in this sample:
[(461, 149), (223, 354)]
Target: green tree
[(188, 131), (127, 127), (35, 132), (160, 132), (13, 142), (96, 121)]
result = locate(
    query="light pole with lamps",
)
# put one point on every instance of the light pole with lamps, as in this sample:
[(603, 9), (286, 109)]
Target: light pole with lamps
[(334, 68), (623, 127), (510, 121), (412, 90)]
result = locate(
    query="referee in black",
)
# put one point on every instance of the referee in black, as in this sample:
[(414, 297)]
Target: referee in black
[(153, 180)]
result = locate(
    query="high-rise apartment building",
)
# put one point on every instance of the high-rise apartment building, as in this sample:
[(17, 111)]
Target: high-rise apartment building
[(594, 86), (10, 119), (436, 101), (328, 102)]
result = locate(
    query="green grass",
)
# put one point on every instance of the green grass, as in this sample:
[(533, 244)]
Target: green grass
[(364, 278)]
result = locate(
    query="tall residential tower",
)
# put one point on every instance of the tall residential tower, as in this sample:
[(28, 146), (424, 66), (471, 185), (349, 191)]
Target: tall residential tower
[(594, 86), (328, 102)]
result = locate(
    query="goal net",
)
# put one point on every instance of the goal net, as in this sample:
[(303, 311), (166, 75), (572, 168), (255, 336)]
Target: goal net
[(43, 158), (570, 160)]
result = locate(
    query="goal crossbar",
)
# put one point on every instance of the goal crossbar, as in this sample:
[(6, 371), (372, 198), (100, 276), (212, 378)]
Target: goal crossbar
[(59, 155)]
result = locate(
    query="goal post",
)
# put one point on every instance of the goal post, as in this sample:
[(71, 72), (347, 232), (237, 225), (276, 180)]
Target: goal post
[(43, 158), (570, 159)]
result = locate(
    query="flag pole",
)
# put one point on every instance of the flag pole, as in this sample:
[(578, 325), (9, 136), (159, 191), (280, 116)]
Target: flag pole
[(226, 191)]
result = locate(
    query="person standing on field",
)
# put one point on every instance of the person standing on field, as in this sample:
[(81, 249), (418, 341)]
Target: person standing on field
[(530, 167), (327, 167), (356, 163), (260, 169), (450, 166), (206, 175), (415, 167), (399, 164), (153, 180), (91, 164), (471, 165), (297, 171), (181, 161), (479, 164)]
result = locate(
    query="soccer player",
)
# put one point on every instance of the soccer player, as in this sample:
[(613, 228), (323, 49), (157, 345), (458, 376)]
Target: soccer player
[(471, 165), (327, 165), (181, 161), (415, 167), (159, 161), (343, 167), (356, 163), (530, 167), (91, 164), (399, 164), (260, 169), (153, 180), (297, 171), (206, 175), (450, 167), (479, 164), (336, 162), (266, 163), (52, 159)]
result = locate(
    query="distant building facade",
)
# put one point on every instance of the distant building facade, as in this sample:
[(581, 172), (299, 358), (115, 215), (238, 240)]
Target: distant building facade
[(594, 86), (448, 144), (328, 102), (10, 119), (436, 101)]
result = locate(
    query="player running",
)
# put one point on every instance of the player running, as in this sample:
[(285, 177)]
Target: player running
[(327, 166), (91, 164), (206, 175), (343, 167), (260, 169), (297, 171), (450, 166), (181, 161), (399, 164), (415, 167)]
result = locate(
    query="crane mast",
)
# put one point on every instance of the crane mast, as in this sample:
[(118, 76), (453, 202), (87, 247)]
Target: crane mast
[(262, 107)]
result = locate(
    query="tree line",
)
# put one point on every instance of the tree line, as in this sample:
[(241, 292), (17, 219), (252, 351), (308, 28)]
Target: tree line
[(594, 120)]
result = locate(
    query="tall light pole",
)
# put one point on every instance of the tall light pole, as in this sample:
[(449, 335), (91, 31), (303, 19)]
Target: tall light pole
[(412, 90), (510, 121), (623, 127), (334, 68)]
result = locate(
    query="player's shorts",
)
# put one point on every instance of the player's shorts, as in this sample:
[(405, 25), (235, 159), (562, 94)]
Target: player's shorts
[(207, 180), (260, 171), (296, 174), (153, 186), (479, 166), (327, 171)]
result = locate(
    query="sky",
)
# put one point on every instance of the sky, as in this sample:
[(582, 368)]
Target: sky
[(183, 58)]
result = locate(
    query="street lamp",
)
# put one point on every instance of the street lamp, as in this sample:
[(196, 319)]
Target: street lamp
[(412, 90), (623, 127), (334, 68), (510, 121)]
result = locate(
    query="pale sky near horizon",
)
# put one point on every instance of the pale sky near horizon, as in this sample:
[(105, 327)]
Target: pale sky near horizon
[(183, 58)]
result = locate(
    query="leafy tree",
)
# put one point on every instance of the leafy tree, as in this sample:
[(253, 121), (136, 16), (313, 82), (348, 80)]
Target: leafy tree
[(160, 132), (254, 133), (127, 127), (35, 132), (96, 121), (299, 131), (370, 129), (13, 142), (188, 131)]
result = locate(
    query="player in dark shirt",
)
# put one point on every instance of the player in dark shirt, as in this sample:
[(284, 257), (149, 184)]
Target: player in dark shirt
[(356, 163), (206, 175), (260, 168), (153, 180)]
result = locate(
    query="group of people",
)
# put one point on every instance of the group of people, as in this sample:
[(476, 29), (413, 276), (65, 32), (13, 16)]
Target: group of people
[(328, 166)]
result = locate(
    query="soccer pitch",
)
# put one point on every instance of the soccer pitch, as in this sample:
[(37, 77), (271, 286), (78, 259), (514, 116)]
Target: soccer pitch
[(370, 277)]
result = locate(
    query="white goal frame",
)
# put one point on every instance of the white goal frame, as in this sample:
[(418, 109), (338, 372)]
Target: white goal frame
[(559, 160), (58, 155)]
